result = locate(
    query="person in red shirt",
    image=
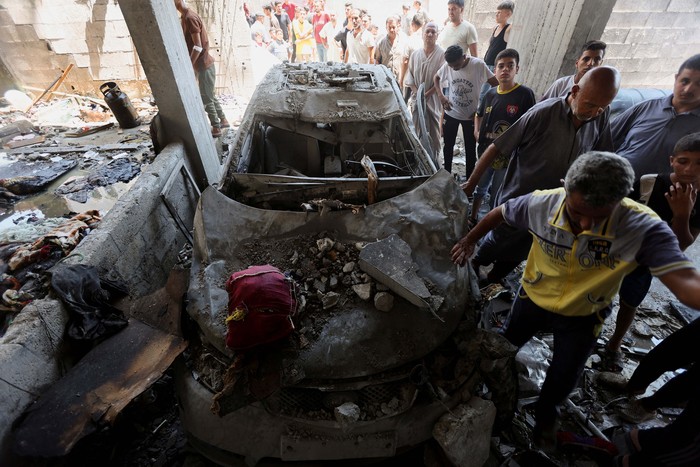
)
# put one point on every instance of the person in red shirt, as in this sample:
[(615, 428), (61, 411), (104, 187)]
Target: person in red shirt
[(318, 20)]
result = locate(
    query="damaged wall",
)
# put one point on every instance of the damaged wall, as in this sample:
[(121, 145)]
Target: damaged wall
[(40, 38), (647, 40)]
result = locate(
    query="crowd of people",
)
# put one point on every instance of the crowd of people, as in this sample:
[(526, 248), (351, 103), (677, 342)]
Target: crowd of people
[(595, 205)]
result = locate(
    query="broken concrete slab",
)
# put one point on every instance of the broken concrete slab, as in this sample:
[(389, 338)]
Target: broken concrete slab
[(389, 261), (684, 313), (29, 362), (96, 390), (465, 433)]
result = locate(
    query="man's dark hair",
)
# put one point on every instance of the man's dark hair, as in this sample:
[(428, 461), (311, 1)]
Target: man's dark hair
[(348, 4), (459, 3), (277, 3), (601, 178), (453, 53), (594, 45), (508, 53), (688, 143), (506, 6), (417, 20), (693, 63)]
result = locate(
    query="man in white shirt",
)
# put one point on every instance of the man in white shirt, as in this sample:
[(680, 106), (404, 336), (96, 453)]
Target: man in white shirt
[(464, 77), (360, 41), (457, 31)]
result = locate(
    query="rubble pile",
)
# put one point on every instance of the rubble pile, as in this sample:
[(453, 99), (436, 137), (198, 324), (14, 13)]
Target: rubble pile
[(327, 273)]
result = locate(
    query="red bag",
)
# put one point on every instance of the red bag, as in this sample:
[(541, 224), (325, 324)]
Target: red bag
[(261, 304)]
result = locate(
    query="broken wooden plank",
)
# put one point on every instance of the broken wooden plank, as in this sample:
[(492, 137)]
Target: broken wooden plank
[(86, 148), (88, 130), (53, 86), (96, 390), (18, 143)]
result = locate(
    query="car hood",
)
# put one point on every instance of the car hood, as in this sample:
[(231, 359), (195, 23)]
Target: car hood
[(359, 340)]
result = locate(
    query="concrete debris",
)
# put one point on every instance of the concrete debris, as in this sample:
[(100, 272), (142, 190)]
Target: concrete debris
[(330, 300), (465, 433), (383, 301), (364, 291), (347, 415), (389, 261)]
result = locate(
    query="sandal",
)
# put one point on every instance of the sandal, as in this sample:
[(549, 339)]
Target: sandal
[(611, 360)]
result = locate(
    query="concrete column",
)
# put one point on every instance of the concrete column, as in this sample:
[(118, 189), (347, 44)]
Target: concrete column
[(549, 35), (155, 29)]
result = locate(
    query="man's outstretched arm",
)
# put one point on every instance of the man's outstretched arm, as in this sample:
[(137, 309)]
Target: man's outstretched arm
[(464, 248)]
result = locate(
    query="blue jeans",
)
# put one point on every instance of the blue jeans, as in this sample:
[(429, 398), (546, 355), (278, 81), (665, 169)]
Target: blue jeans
[(505, 247), (574, 340), (322, 52), (490, 183)]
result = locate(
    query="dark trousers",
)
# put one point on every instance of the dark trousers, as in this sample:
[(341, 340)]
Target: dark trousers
[(505, 247), (574, 340), (449, 134), (679, 350), (675, 444)]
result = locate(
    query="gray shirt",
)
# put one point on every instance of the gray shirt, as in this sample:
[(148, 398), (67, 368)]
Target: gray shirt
[(646, 133), (543, 143), (559, 88)]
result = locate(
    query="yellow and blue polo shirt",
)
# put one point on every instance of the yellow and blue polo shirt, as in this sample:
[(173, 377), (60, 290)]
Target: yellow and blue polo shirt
[(578, 275)]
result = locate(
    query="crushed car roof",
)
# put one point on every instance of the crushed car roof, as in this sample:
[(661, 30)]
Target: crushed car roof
[(328, 92)]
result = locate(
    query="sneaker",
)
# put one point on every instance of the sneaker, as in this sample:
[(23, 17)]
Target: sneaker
[(634, 412), (223, 123), (216, 131)]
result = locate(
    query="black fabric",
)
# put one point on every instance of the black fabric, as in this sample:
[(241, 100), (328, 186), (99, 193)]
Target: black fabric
[(496, 45), (86, 296)]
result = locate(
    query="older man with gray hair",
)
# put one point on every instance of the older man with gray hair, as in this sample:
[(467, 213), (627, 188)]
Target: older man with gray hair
[(587, 237)]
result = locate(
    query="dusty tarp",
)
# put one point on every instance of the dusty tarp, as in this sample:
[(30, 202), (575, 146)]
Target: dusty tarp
[(96, 390)]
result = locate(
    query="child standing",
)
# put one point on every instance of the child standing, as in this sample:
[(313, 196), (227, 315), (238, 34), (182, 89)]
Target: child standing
[(498, 110)]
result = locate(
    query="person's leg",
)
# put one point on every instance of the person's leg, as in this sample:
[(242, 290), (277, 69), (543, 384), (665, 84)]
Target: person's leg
[(632, 291), (678, 350), (506, 248), (574, 340), (678, 443), (206, 79), (503, 244), (676, 391), (321, 52), (469, 146), (524, 320), (481, 189), (449, 134)]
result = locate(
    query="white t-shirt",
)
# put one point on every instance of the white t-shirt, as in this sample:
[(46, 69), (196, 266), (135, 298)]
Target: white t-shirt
[(358, 47), (464, 87), (461, 35)]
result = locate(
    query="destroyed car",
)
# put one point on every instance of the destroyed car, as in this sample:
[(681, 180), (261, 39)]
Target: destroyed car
[(327, 181)]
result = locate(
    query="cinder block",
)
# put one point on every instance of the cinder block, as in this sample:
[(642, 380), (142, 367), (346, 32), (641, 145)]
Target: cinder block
[(23, 14), (662, 20), (618, 51), (106, 12), (118, 29), (684, 6), (667, 35), (117, 44), (639, 6), (117, 73), (67, 46), (640, 36), (9, 34), (61, 13), (635, 19), (68, 30), (614, 36)]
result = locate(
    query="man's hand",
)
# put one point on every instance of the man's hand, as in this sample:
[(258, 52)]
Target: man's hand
[(681, 198), (446, 103), (462, 251), (468, 187)]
